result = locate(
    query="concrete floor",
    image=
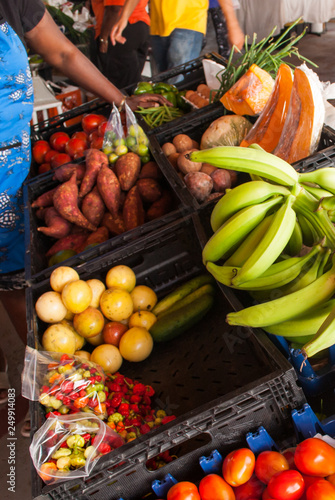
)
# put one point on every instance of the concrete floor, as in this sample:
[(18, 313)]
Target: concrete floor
[(319, 49)]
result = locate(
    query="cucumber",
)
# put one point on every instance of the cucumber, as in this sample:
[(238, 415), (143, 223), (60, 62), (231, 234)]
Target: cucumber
[(181, 292), (173, 324)]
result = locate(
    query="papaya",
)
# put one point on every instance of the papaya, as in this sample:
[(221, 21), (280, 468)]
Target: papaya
[(268, 127), (250, 93), (305, 116)]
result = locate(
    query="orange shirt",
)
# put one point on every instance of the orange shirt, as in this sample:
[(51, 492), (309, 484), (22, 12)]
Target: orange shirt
[(139, 14)]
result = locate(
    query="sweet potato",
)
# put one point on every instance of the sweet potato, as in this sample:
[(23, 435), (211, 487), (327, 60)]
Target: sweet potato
[(66, 203), (133, 211), (115, 225), (221, 180), (93, 207), (149, 189), (95, 160), (186, 165), (64, 172), (109, 189), (182, 142), (127, 169), (70, 242), (160, 207), (56, 226), (199, 184), (151, 170), (95, 238), (45, 199)]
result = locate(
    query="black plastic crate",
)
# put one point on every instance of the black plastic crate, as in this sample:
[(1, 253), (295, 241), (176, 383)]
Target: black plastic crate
[(219, 382), (37, 244)]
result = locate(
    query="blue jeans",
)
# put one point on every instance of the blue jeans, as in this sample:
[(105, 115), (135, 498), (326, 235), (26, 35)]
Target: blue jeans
[(176, 49)]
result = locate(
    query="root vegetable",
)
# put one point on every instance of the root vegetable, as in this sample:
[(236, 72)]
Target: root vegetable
[(66, 203), (70, 242), (109, 189), (115, 225), (95, 238), (95, 160), (93, 207), (204, 90), (199, 184), (149, 189), (185, 165), (173, 159), (168, 148), (127, 169), (207, 168), (150, 170), (182, 142), (133, 211), (221, 180), (64, 172), (160, 207), (56, 225), (45, 199)]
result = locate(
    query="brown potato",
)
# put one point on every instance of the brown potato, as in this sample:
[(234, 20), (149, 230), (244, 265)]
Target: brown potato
[(151, 170), (199, 184), (189, 94), (207, 168), (221, 180), (127, 169), (182, 142), (173, 159), (204, 90), (149, 190), (186, 165), (168, 148), (195, 144)]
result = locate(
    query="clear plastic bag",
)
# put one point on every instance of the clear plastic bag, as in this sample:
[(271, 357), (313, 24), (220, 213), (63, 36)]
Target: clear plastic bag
[(63, 383), (68, 446), (114, 143), (136, 139)]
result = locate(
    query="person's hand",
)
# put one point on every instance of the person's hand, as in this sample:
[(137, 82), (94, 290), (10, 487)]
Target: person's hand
[(146, 101), (116, 33), (236, 37)]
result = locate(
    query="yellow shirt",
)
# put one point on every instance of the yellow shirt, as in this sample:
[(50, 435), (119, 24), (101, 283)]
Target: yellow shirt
[(166, 15)]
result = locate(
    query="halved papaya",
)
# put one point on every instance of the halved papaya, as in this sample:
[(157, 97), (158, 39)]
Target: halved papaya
[(250, 93), (269, 125), (305, 117)]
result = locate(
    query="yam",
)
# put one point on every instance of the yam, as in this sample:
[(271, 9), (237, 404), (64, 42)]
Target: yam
[(56, 226), (199, 184), (150, 170), (70, 242), (149, 190), (185, 165), (95, 238), (182, 143), (207, 168), (221, 180), (45, 200), (93, 207), (64, 172), (115, 225), (228, 130), (160, 207), (95, 160), (65, 201), (168, 148), (127, 169), (133, 211), (109, 189)]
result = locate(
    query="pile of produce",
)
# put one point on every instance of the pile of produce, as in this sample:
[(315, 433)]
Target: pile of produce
[(95, 201), (274, 237), (306, 472)]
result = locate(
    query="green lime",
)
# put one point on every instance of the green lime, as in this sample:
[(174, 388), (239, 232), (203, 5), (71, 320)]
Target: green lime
[(130, 141), (145, 159), (142, 150), (60, 256), (133, 130), (107, 150), (142, 139), (121, 150), (112, 158)]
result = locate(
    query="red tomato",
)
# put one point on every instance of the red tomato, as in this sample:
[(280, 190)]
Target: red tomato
[(331, 479), (49, 155), (40, 149), (58, 141), (44, 168), (266, 495), (308, 480), (80, 134), (214, 487), (91, 122), (238, 466), (315, 457), (75, 146), (289, 455), (321, 490), (96, 142), (249, 490), (102, 128), (268, 463), (59, 159), (286, 485), (183, 491)]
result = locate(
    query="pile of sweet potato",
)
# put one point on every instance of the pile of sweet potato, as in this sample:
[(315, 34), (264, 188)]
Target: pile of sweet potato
[(95, 201)]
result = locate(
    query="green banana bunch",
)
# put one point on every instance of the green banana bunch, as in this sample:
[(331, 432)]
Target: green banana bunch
[(288, 307), (324, 337), (316, 191), (310, 236), (250, 160), (235, 229), (271, 245), (242, 196), (295, 242), (324, 177)]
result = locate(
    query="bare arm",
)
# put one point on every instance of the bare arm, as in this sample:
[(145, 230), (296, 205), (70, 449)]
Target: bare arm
[(235, 34), (47, 40), (111, 16), (127, 9)]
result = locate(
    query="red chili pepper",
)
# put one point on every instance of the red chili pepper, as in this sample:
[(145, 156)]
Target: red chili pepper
[(92, 403), (144, 429), (98, 378), (67, 386), (149, 391), (139, 389), (137, 422), (116, 400), (146, 400), (50, 413), (168, 418), (65, 357), (113, 387), (45, 389), (81, 402), (63, 445), (135, 398), (149, 418), (87, 436), (59, 396), (92, 380), (104, 448), (134, 408), (82, 393), (54, 389), (92, 371), (67, 401), (123, 406), (73, 395)]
